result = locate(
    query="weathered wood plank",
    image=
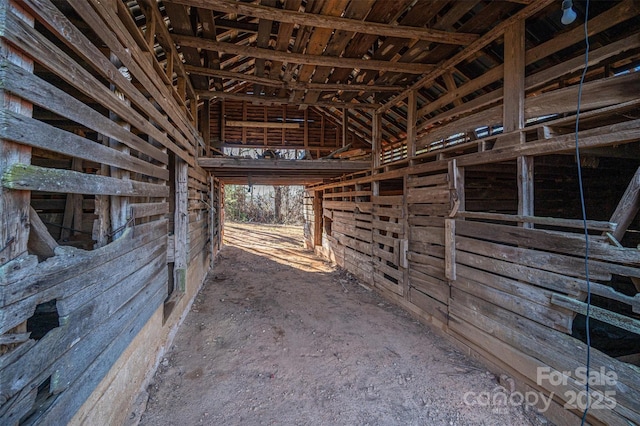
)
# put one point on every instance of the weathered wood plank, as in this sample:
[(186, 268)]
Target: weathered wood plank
[(25, 276), (384, 284), (429, 285), (397, 228), (562, 242), (428, 195), (562, 264), (551, 221), (621, 321), (34, 178), (39, 92), (430, 305), (427, 235), (31, 132), (433, 180), (66, 68), (541, 310), (134, 317), (14, 235), (556, 349), (523, 360), (60, 340), (545, 279), (149, 209), (386, 200)]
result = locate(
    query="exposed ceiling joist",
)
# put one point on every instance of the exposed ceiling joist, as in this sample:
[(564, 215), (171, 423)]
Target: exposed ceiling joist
[(290, 85), (300, 58), (272, 100), (338, 23)]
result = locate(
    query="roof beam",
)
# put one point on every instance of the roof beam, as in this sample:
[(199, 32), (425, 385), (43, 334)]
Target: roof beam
[(299, 58), (272, 100), (290, 85), (323, 21)]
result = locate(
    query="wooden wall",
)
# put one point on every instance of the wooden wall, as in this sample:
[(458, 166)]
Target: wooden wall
[(101, 194), (473, 224)]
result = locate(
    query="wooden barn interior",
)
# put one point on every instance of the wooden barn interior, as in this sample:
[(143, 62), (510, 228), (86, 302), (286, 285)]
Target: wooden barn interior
[(436, 140)]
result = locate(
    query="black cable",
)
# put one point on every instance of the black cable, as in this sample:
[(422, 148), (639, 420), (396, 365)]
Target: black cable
[(584, 211)]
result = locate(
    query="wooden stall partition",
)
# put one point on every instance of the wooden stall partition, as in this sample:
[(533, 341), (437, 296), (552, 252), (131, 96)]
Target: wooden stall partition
[(428, 204), (347, 224), (388, 242), (521, 288)]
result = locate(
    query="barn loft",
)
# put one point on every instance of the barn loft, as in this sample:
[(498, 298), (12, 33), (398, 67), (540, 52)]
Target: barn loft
[(436, 139)]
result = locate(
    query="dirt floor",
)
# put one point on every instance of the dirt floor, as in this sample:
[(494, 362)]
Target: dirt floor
[(278, 336)]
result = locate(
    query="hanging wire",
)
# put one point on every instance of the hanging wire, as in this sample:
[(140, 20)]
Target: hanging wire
[(584, 210)]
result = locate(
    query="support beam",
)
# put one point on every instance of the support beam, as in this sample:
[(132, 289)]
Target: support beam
[(262, 124), (627, 208), (181, 225), (513, 113), (300, 58), (14, 229), (205, 126), (338, 23), (376, 139), (345, 126)]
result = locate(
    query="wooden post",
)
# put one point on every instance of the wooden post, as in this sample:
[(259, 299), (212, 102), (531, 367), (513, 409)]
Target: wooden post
[(404, 241), (205, 126), (181, 225), (222, 123), (318, 217), (119, 206), (306, 133), (71, 210), (376, 139), (412, 107), (450, 249), (102, 225), (212, 219), (150, 31), (513, 112), (321, 131), (14, 205), (456, 187), (244, 118), (284, 131), (193, 105)]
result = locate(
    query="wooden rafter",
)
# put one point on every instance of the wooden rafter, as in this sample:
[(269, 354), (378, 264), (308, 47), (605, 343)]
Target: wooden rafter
[(337, 23)]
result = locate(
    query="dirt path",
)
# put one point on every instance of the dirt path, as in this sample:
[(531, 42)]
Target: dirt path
[(277, 336)]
